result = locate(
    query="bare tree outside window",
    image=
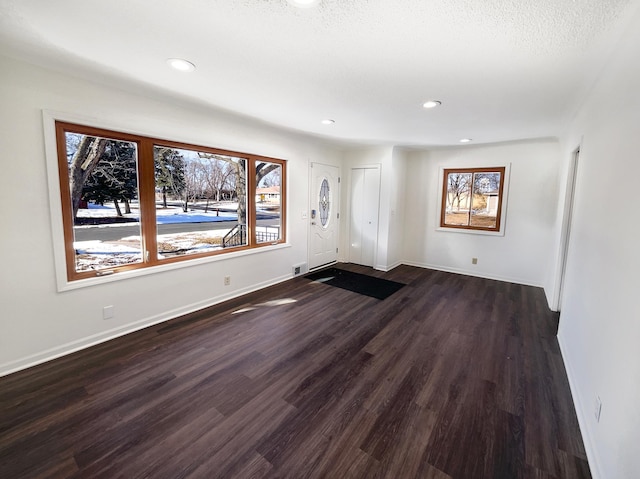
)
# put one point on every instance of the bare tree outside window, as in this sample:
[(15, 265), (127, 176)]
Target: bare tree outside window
[(103, 193), (268, 202), (204, 177)]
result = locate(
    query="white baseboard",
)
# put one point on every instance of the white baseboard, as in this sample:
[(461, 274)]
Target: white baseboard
[(472, 273), (386, 268), (592, 452), (87, 342)]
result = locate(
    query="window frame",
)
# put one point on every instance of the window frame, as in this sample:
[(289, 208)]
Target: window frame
[(147, 202), (502, 191)]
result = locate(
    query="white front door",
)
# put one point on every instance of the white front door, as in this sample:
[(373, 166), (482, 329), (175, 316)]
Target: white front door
[(323, 218)]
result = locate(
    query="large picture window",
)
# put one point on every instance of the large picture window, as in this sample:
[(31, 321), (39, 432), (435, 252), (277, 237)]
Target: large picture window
[(472, 198), (131, 202)]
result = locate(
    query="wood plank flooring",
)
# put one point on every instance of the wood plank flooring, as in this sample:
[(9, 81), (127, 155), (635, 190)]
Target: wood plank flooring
[(452, 377)]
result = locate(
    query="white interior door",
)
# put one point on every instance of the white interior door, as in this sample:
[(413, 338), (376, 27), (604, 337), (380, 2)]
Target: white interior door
[(324, 204), (365, 205)]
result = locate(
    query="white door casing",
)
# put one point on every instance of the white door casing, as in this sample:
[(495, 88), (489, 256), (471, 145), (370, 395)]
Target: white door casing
[(569, 202), (324, 204)]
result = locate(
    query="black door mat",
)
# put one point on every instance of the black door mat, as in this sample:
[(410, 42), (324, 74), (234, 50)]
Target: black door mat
[(358, 283)]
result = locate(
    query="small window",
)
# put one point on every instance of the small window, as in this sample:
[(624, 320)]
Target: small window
[(324, 205), (472, 198)]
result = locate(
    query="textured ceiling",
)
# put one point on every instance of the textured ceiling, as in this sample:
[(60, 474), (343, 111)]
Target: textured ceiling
[(503, 69)]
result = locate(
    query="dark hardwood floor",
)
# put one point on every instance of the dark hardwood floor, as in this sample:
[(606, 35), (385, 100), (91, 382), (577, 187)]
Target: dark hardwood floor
[(450, 377)]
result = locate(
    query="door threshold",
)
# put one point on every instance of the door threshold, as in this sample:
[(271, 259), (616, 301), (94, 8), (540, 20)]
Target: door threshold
[(322, 266)]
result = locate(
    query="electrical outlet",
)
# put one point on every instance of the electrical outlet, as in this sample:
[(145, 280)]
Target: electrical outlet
[(474, 260), (107, 312), (227, 280), (597, 408)]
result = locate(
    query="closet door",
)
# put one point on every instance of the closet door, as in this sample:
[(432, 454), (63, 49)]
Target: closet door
[(365, 203)]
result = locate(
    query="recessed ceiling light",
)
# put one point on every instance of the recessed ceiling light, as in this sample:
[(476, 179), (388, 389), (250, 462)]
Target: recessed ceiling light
[(303, 3), (328, 122), (431, 103), (465, 140), (181, 65)]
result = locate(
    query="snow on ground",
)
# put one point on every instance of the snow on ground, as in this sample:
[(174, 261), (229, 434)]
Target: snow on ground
[(171, 214), (107, 254), (96, 254), (176, 215), (104, 254), (131, 245)]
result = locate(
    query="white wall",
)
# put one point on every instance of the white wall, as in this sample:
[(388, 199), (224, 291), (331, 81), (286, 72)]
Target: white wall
[(37, 322), (522, 254), (396, 230), (600, 319)]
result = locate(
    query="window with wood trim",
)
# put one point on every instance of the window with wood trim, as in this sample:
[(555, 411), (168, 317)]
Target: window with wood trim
[(472, 198), (130, 201)]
